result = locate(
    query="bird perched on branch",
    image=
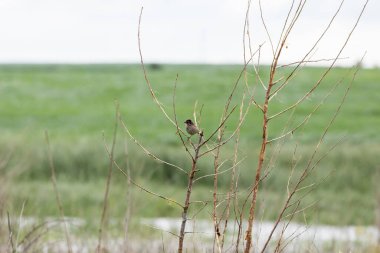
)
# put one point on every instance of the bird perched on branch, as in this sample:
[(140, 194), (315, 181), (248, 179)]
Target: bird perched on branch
[(191, 128)]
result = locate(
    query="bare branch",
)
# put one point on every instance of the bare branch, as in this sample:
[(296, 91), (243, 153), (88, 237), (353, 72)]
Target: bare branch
[(146, 151), (311, 61), (220, 172), (246, 31), (139, 186), (220, 125), (266, 29), (57, 195), (306, 170), (163, 230), (10, 232), (190, 183), (301, 210), (322, 77), (200, 209), (331, 122), (176, 122), (108, 181), (232, 135), (330, 67), (152, 93), (285, 23), (19, 222), (293, 166), (284, 228), (284, 38), (306, 119)]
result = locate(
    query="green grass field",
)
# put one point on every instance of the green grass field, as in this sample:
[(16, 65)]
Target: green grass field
[(76, 105)]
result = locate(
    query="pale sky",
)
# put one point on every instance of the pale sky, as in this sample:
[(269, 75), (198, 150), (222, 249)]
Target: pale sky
[(174, 31)]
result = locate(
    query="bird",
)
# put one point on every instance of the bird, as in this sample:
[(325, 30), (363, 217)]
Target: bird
[(191, 128)]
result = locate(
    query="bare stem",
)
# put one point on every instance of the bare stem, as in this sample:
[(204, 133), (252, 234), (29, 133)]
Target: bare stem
[(248, 237), (188, 195), (152, 93), (57, 196), (10, 234), (108, 183), (128, 211), (306, 171)]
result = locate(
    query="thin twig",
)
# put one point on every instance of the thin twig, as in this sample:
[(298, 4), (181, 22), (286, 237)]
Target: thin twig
[(329, 68), (57, 195), (220, 125), (128, 211), (233, 133), (311, 61), (153, 94), (160, 229), (146, 151), (293, 166), (232, 191), (108, 181), (10, 234), (306, 119), (284, 25), (284, 228), (311, 49), (178, 130), (139, 186), (19, 222), (220, 172), (200, 209), (265, 27)]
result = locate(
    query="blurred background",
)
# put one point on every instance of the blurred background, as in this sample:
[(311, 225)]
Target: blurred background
[(63, 64)]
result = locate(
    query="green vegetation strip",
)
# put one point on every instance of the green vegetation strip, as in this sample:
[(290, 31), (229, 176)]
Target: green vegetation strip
[(75, 103)]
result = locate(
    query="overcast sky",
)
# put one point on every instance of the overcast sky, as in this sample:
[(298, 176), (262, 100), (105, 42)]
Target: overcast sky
[(174, 31)]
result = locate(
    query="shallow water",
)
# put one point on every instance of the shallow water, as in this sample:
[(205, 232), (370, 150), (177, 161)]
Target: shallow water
[(297, 237)]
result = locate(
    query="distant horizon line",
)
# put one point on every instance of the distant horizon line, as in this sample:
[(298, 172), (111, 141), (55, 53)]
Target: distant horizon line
[(76, 63)]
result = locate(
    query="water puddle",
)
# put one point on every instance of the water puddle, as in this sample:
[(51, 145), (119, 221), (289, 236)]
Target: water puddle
[(199, 238)]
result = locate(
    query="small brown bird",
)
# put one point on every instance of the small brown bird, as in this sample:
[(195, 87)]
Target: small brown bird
[(191, 128)]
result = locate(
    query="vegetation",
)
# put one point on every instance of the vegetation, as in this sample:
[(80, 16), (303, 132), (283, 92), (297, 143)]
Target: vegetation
[(75, 103)]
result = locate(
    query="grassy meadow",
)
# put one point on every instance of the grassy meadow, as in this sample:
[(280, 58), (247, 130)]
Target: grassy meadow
[(76, 105)]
